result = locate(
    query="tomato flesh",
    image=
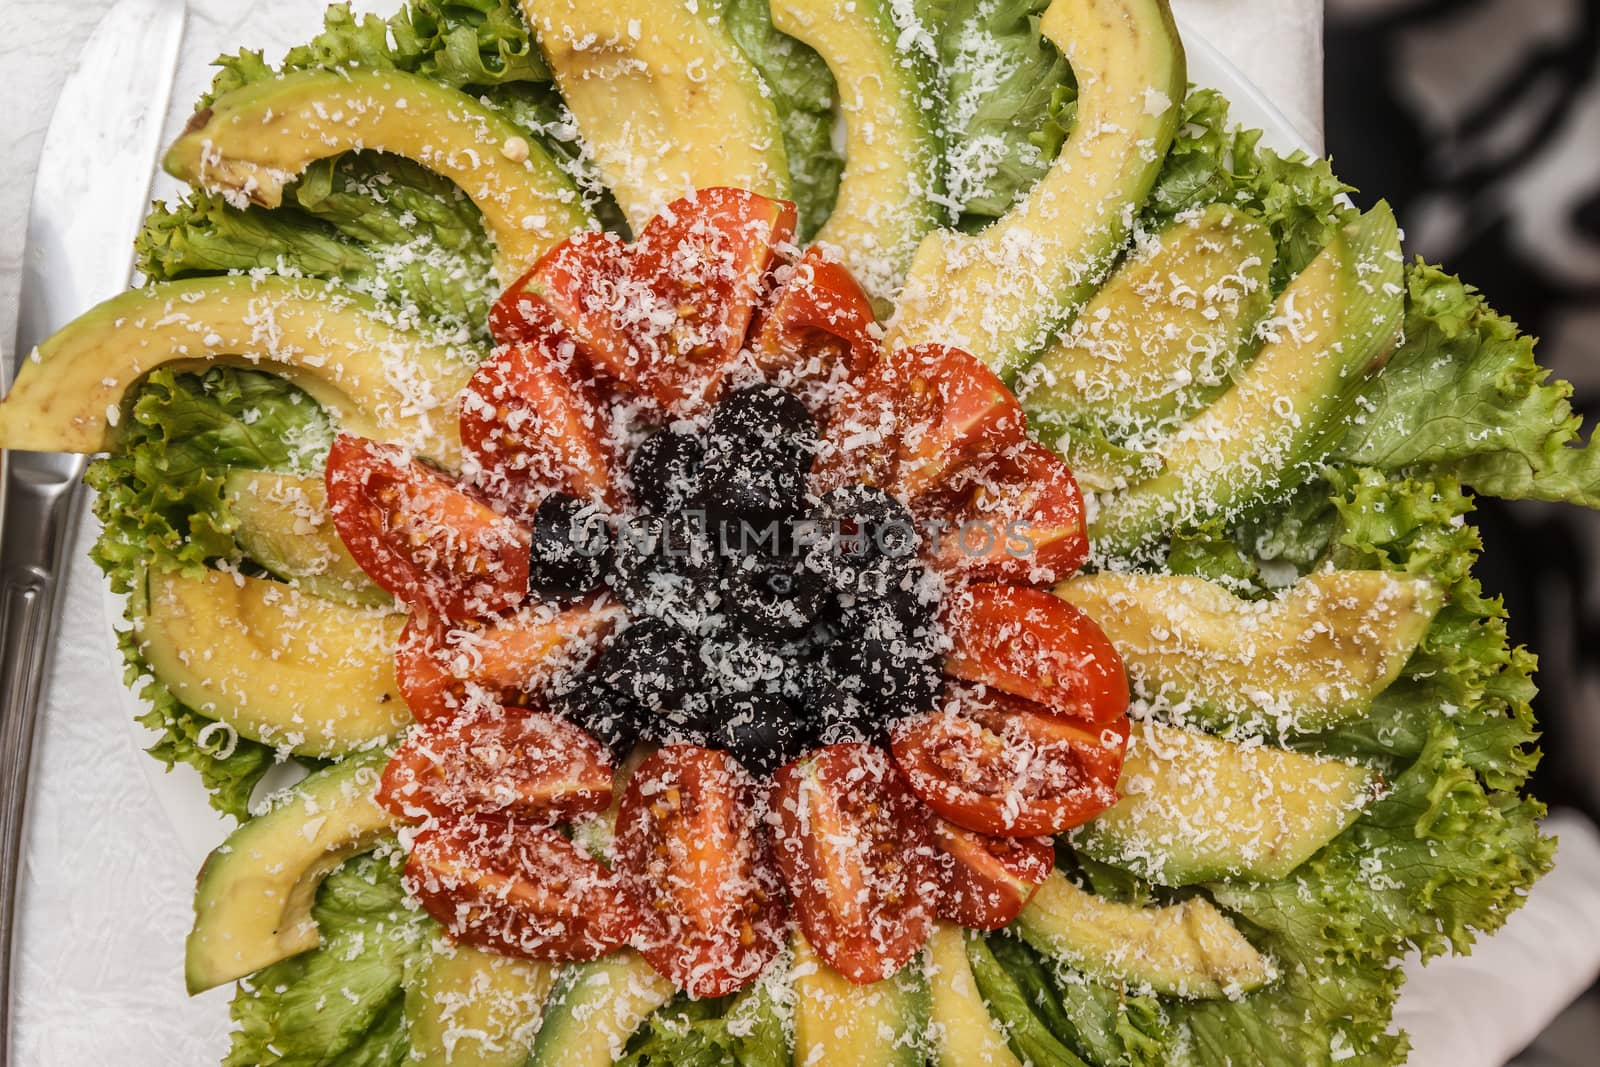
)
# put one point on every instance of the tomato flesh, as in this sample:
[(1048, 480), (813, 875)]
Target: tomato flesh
[(1034, 645), (421, 537), (820, 319), (953, 408), (998, 765), (1017, 517), (691, 847), (519, 891), (986, 881), (530, 764), (528, 430), (857, 857), (442, 669)]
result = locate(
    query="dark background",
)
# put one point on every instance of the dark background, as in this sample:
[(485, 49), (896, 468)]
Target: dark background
[(1479, 120)]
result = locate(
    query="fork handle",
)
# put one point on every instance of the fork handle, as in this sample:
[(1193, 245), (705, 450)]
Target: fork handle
[(36, 528)]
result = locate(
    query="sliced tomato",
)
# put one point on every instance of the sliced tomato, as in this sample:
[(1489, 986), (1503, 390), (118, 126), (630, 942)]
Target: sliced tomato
[(529, 430), (706, 259), (821, 318), (691, 846), (442, 668), (860, 442), (986, 881), (518, 890), (578, 294), (857, 855), (420, 536), (953, 409), (1034, 645), (1016, 517), (530, 764), (998, 765)]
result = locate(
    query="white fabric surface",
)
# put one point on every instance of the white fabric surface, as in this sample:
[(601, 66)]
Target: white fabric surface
[(108, 878)]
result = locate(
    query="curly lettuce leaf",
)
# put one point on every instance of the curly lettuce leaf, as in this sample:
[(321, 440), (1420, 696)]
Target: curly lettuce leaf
[(160, 502), (1034, 1028), (1297, 196), (1464, 394), (342, 1004), (1009, 103), (746, 1030)]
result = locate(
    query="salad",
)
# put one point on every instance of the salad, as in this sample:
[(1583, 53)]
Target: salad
[(881, 534)]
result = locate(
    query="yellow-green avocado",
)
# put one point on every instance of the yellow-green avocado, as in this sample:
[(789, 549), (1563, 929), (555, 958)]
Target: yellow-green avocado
[(964, 1033), (664, 99), (1188, 949), (278, 665), (999, 293), (888, 193), (594, 1008), (838, 1022), (1197, 808), (373, 379), (252, 141), (1336, 322), (1308, 661), (1163, 334), (471, 1008), (252, 902), (281, 522)]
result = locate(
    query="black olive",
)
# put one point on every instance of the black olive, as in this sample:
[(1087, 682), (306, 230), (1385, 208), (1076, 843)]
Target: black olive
[(570, 550), (665, 471)]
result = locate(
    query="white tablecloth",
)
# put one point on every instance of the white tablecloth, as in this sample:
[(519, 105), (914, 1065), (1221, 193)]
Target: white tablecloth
[(108, 879)]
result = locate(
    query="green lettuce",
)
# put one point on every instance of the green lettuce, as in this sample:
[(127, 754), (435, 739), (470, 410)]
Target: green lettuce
[(1025, 1018), (160, 503), (745, 1030), (342, 1004), (1464, 394), (1009, 102)]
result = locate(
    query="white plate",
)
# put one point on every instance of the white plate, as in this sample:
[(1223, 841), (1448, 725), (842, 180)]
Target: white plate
[(181, 794)]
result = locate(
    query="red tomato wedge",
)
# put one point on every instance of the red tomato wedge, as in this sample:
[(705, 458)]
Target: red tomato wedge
[(529, 430), (1003, 766), (421, 537), (691, 847), (570, 297), (530, 764), (856, 853), (819, 319), (442, 668), (518, 891), (1034, 645), (1017, 517), (952, 408), (986, 881), (859, 443)]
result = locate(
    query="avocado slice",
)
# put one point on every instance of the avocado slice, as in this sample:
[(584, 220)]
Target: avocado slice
[(1162, 336), (1197, 808), (1095, 462), (471, 1008), (665, 101), (278, 665), (374, 380), (254, 140), (1189, 949), (999, 293), (252, 902), (839, 1022), (282, 524), (1335, 323), (1308, 661), (594, 1008), (887, 201), (964, 1033)]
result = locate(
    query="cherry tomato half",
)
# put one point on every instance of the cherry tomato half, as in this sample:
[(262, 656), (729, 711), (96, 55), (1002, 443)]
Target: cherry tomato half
[(530, 764), (953, 409), (529, 430), (1016, 517), (820, 318), (519, 891), (998, 765), (1035, 645), (856, 853), (986, 881), (421, 537), (859, 442), (443, 668), (691, 847)]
